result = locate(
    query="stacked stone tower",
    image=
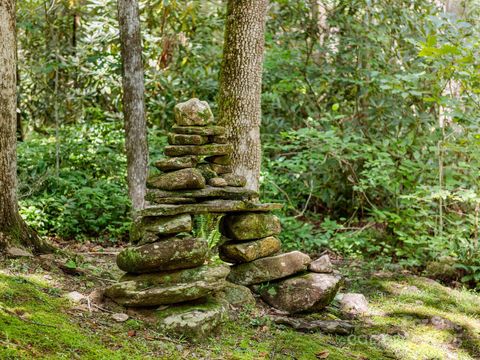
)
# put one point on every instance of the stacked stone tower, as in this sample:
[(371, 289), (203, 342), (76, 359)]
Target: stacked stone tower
[(169, 266)]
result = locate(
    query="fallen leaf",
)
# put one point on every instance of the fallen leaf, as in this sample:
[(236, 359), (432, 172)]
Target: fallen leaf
[(322, 354), (132, 333)]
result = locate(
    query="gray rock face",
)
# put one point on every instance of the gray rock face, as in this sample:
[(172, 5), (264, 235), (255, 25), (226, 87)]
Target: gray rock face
[(352, 304), (170, 254), (199, 150), (249, 251), (250, 226), (150, 227), (192, 320), (269, 268), (178, 180), (217, 182), (235, 180), (193, 113), (211, 130), (168, 287), (182, 139), (176, 163), (309, 292), (321, 265)]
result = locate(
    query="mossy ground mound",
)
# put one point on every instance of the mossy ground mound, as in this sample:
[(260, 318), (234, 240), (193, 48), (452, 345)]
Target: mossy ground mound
[(411, 318)]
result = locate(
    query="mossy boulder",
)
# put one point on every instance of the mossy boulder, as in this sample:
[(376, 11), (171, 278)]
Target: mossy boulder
[(217, 182), (199, 150), (182, 139), (220, 159), (193, 320), (171, 254), (147, 229), (193, 113), (207, 172), (178, 180), (269, 268), (308, 292), (250, 226), (248, 251), (236, 295), (176, 163), (219, 139), (210, 130), (168, 287)]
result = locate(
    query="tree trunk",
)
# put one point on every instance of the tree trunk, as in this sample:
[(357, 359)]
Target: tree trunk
[(241, 84), (13, 231), (133, 101)]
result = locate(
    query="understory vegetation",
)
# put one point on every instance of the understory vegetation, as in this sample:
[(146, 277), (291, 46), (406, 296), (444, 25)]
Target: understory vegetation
[(370, 123)]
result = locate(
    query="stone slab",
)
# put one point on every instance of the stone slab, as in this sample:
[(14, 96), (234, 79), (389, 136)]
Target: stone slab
[(228, 193), (199, 150), (199, 130)]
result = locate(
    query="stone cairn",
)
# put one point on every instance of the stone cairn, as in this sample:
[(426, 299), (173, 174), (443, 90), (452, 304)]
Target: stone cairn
[(168, 266)]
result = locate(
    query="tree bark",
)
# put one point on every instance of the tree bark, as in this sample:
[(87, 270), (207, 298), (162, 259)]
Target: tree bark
[(13, 230), (240, 90), (133, 101)]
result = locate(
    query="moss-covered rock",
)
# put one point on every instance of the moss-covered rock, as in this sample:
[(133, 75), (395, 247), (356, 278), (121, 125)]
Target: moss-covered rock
[(217, 182), (144, 229), (207, 172), (199, 150), (183, 139), (170, 254), (176, 163), (211, 130), (211, 206), (248, 251), (227, 193), (235, 295), (193, 113), (168, 287), (221, 169), (250, 226), (178, 180), (309, 292), (269, 268), (221, 160), (235, 180), (219, 139), (192, 320)]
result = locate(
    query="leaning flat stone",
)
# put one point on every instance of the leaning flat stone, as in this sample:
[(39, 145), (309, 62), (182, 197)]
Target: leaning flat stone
[(214, 206), (235, 180), (248, 251), (146, 226), (170, 254), (321, 265), (269, 268), (193, 113), (181, 139), (168, 287), (192, 321), (176, 163), (250, 226), (309, 292), (217, 182), (221, 160), (178, 180), (227, 193), (199, 150), (199, 130)]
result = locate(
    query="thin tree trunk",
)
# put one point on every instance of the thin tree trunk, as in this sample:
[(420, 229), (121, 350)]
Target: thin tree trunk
[(133, 101), (13, 230), (241, 84)]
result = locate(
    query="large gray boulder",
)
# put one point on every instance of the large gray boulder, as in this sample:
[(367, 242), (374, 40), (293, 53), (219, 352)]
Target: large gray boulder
[(193, 113), (177, 180), (269, 268), (250, 226), (248, 251), (309, 292), (168, 287), (171, 254)]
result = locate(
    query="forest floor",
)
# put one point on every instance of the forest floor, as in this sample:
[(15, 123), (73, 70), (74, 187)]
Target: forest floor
[(410, 317)]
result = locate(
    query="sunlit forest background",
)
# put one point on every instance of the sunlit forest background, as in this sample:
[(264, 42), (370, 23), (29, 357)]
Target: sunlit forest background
[(370, 123)]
